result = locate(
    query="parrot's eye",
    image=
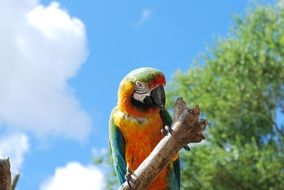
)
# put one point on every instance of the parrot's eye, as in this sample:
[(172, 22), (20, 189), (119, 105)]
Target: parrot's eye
[(141, 91), (139, 84), (141, 87)]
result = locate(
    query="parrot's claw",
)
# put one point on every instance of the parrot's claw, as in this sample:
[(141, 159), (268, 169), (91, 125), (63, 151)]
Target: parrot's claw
[(128, 176), (186, 147), (166, 130)]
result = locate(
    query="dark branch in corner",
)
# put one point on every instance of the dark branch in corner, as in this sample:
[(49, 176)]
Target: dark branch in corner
[(5, 176)]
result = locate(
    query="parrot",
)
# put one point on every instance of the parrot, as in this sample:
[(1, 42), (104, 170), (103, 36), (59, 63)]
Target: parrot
[(135, 126)]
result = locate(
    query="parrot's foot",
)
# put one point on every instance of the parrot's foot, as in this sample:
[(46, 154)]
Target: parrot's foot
[(128, 176), (166, 130)]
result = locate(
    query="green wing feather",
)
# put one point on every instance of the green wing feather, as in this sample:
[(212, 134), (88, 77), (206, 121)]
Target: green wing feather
[(174, 177), (117, 146)]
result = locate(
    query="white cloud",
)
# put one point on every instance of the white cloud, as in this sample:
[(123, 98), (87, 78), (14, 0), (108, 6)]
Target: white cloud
[(41, 49), (14, 146), (75, 176), (145, 15)]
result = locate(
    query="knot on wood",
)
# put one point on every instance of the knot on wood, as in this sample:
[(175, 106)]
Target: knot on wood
[(188, 127)]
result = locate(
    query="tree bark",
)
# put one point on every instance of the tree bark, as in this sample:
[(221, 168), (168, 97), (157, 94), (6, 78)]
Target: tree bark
[(5, 174), (187, 128)]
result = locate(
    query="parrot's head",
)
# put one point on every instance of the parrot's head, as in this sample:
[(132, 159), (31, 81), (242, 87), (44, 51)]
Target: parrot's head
[(142, 89)]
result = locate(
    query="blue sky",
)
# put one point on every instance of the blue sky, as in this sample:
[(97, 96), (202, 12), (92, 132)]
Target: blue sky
[(67, 72)]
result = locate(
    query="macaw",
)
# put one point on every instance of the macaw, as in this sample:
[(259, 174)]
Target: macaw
[(135, 126)]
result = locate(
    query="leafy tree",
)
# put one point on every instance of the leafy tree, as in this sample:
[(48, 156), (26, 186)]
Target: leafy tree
[(104, 161), (240, 89)]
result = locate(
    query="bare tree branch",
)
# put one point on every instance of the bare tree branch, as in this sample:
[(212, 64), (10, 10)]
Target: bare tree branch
[(5, 174), (187, 128)]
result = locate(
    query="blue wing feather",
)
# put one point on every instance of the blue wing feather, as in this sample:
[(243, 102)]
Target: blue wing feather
[(177, 172), (117, 145)]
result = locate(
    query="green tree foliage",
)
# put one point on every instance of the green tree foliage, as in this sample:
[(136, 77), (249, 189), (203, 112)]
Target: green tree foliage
[(104, 161), (240, 89)]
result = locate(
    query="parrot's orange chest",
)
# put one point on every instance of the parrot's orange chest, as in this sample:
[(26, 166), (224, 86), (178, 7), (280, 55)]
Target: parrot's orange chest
[(141, 139), (141, 135)]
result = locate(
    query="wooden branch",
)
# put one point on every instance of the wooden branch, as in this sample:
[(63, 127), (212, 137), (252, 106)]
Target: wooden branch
[(5, 174), (187, 128)]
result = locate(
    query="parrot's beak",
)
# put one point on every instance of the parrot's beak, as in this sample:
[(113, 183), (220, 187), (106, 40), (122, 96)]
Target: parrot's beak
[(158, 96)]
